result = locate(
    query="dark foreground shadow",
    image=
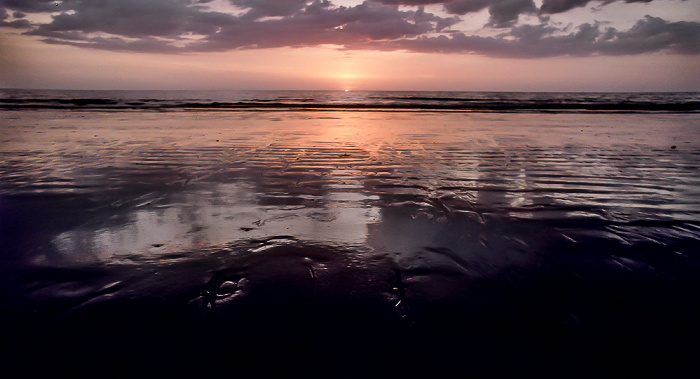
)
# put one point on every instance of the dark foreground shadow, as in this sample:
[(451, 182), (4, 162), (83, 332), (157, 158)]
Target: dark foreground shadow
[(327, 312)]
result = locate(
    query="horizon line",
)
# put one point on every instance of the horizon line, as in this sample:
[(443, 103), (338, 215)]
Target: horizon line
[(344, 90)]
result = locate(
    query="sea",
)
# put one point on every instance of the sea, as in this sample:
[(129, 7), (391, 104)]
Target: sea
[(349, 234), (351, 100)]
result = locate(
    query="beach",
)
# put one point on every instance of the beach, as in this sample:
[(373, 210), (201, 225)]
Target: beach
[(350, 240)]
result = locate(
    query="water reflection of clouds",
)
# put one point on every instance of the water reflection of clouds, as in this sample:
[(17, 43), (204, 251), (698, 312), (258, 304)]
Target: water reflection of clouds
[(328, 177), (190, 221)]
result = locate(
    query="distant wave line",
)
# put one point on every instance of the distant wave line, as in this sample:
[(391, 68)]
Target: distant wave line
[(422, 104)]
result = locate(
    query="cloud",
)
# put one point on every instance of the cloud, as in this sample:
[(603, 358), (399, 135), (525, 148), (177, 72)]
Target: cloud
[(655, 34), (503, 13), (185, 25), (269, 8), (410, 2), (34, 6), (321, 23), (143, 45), (131, 18), (651, 34), (441, 23), (559, 6), (18, 24), (181, 26)]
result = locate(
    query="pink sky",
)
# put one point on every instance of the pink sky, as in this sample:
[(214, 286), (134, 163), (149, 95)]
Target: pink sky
[(503, 45)]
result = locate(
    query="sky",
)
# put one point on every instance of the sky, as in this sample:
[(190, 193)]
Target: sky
[(461, 45)]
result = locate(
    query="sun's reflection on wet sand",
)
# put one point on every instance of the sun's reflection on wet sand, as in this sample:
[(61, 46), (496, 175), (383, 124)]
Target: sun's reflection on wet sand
[(178, 181)]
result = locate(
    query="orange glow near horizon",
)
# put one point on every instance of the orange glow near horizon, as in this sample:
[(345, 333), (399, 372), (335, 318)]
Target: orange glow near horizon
[(30, 63)]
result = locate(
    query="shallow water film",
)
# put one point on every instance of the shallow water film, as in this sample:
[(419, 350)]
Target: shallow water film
[(349, 242)]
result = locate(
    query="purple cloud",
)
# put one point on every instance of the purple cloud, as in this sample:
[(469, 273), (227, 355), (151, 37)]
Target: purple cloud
[(33, 6), (18, 24), (320, 23), (559, 6), (270, 8), (503, 13), (133, 18), (175, 26), (96, 24), (651, 34)]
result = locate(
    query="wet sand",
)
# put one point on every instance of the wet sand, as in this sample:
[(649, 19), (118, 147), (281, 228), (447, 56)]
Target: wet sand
[(344, 242)]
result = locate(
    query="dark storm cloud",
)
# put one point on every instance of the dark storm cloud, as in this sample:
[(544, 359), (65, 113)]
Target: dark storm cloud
[(180, 26)]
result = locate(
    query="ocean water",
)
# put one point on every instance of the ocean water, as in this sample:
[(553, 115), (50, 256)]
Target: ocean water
[(347, 233), (364, 100)]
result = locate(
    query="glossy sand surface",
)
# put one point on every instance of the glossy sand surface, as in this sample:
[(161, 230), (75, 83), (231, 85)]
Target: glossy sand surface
[(397, 240)]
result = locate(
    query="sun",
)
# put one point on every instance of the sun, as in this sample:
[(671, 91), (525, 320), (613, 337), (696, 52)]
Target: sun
[(347, 90)]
